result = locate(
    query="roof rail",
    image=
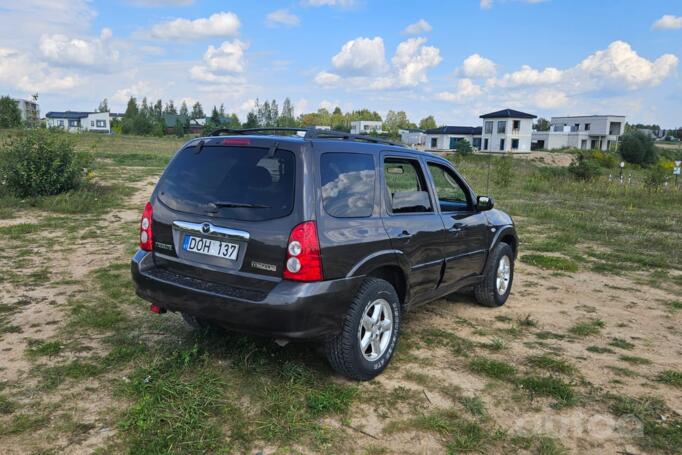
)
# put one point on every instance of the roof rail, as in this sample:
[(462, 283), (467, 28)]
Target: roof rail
[(310, 133)]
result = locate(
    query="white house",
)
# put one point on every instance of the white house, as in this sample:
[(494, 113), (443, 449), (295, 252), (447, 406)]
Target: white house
[(507, 131), (447, 137), (74, 122), (594, 132), (366, 127), (30, 111), (413, 137)]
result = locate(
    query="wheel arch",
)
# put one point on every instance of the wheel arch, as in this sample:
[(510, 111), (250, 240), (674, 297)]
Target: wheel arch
[(389, 265)]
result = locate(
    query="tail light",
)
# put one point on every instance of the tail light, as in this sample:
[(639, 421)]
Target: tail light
[(146, 228), (303, 259)]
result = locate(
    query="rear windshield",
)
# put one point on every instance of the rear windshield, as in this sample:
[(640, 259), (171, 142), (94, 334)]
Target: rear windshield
[(242, 183)]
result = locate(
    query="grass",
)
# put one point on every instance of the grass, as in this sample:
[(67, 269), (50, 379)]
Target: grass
[(551, 364), (587, 328), (622, 344), (550, 262), (671, 377), (635, 360), (38, 348), (7, 406), (492, 368), (548, 386), (438, 337), (600, 350)]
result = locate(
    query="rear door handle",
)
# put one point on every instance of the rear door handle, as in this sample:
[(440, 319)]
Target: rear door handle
[(457, 228), (405, 233)]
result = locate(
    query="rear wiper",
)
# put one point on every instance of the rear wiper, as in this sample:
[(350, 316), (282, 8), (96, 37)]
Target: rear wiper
[(230, 204)]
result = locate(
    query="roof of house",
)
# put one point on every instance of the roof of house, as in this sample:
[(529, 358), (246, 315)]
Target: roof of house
[(67, 114), (508, 113), (464, 130)]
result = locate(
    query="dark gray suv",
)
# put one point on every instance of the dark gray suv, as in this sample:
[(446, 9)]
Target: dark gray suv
[(322, 235)]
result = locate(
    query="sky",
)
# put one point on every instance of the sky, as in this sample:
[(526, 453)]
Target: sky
[(453, 59)]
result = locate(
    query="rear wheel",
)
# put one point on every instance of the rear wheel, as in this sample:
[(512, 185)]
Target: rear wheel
[(494, 290), (370, 332)]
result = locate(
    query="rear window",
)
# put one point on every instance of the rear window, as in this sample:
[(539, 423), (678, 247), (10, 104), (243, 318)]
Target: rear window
[(242, 183), (347, 184)]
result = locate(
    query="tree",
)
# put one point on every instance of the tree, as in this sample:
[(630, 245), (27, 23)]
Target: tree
[(638, 148), (170, 108), (427, 123), (10, 115), (287, 118), (221, 111), (541, 125), (395, 121), (215, 116), (179, 127), (234, 121), (197, 111), (464, 147), (251, 120), (131, 108), (103, 106), (184, 110)]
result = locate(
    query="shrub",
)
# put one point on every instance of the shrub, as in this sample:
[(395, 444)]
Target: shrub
[(605, 159), (10, 116), (503, 171), (40, 162), (583, 168), (637, 148), (464, 147)]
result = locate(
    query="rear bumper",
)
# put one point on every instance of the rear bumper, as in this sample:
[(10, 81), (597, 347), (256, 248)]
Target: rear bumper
[(290, 310)]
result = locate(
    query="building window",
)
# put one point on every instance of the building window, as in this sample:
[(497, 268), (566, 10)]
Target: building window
[(60, 122), (73, 123), (515, 144), (453, 142), (92, 123), (488, 127), (485, 144), (587, 127), (477, 142), (101, 123), (434, 142), (516, 126), (501, 127), (502, 145)]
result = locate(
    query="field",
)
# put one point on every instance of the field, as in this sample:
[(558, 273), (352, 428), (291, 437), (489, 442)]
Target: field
[(584, 358)]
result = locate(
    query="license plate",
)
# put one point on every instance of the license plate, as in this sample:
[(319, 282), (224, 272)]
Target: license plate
[(210, 247)]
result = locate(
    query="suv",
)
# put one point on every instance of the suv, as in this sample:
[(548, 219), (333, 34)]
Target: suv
[(322, 235)]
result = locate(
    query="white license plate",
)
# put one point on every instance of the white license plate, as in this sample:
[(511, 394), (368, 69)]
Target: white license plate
[(210, 247)]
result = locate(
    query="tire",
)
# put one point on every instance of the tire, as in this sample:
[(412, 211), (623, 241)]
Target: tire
[(197, 323), (345, 352), (488, 292)]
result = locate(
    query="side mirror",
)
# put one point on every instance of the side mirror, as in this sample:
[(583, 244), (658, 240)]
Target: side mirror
[(484, 203)]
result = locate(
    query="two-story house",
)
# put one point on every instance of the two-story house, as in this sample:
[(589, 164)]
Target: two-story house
[(506, 131), (593, 132), (75, 122)]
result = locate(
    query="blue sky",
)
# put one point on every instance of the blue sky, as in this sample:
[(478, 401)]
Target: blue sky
[(452, 59)]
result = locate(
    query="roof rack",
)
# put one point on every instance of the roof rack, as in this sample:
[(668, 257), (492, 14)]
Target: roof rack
[(310, 133)]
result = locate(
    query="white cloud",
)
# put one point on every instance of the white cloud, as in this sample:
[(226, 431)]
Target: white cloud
[(668, 21), (486, 4), (421, 26), (413, 59), (620, 64), (477, 67), (218, 24), (549, 99), (222, 65), (529, 76), (362, 64), (282, 17), (97, 53), (20, 71), (361, 56), (465, 89), (139, 90)]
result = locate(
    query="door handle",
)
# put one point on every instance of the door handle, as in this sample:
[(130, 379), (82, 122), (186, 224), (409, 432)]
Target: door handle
[(456, 229), (405, 233)]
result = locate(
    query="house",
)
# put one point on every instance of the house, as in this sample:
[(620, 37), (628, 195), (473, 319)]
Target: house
[(170, 121), (366, 127), (507, 130), (30, 111), (593, 132), (447, 137), (413, 137), (75, 122)]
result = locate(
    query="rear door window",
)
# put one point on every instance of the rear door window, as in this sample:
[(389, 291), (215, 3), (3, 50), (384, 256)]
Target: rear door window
[(242, 183), (347, 184)]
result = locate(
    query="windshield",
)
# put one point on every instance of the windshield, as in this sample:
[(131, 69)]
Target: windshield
[(242, 183)]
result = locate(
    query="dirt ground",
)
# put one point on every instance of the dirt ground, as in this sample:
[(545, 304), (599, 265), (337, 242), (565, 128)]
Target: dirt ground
[(554, 302)]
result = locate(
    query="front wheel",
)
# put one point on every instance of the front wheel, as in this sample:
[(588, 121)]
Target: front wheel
[(370, 332), (498, 276)]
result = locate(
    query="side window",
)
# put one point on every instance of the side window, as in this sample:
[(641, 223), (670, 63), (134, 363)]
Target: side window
[(406, 187), (347, 184), (452, 196)]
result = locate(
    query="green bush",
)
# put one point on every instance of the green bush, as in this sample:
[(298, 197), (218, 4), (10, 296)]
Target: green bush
[(464, 147), (40, 163), (637, 148), (503, 171), (583, 168)]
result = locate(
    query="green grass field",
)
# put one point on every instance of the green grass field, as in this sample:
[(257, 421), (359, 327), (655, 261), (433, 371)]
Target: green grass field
[(592, 329)]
